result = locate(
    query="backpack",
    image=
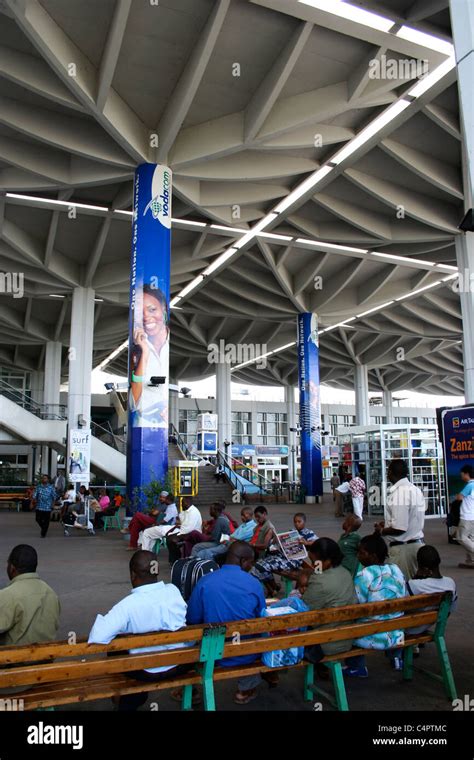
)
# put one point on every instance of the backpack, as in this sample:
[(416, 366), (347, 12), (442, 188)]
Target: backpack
[(185, 573)]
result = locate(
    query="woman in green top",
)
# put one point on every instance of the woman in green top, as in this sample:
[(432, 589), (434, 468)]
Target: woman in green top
[(349, 543), (330, 585)]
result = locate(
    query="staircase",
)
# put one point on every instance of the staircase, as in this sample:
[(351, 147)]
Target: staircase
[(31, 426), (210, 491)]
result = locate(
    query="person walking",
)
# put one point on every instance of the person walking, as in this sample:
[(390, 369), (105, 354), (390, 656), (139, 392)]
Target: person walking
[(357, 489), (43, 501), (465, 531)]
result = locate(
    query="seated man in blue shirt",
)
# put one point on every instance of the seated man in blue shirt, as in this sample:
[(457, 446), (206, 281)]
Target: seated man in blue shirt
[(243, 533), (230, 594), (150, 607)]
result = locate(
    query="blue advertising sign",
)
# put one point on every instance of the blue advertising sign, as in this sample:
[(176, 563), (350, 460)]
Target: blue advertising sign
[(458, 441), (207, 442), (260, 450), (147, 435), (310, 407)]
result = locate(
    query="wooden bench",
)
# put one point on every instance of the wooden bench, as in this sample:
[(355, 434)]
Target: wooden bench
[(13, 498), (61, 673)]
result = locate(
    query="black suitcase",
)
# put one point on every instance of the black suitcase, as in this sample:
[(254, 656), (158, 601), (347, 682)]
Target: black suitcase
[(185, 573)]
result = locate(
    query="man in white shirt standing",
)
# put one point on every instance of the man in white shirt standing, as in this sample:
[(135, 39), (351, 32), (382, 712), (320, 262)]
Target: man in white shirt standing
[(404, 519), (188, 520), (151, 606)]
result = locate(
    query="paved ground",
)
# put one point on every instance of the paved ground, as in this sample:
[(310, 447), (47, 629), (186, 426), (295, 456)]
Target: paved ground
[(90, 574)]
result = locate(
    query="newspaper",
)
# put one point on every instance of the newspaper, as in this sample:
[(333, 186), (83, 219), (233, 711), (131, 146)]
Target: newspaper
[(291, 546)]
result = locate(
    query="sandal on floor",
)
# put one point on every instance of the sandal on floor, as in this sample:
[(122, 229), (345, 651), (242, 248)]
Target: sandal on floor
[(272, 679), (244, 697), (177, 695)]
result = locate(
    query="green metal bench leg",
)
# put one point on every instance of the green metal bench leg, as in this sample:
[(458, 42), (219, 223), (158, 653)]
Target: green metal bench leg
[(308, 682), (446, 671), (212, 649), (408, 664), (208, 687), (288, 584), (187, 701), (339, 686)]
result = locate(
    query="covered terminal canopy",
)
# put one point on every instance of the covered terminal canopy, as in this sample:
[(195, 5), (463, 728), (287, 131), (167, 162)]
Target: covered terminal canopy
[(245, 100)]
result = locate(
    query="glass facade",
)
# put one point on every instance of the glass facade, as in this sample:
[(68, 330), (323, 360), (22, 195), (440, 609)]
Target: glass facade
[(242, 427), (272, 428)]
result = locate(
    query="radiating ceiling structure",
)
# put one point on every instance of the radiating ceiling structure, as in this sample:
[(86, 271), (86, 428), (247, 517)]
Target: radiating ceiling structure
[(245, 100)]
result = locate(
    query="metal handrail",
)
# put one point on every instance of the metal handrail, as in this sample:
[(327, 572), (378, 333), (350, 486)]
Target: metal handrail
[(43, 411), (183, 445), (118, 441), (263, 485)]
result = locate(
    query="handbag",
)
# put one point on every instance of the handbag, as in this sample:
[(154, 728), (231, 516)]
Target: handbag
[(279, 658)]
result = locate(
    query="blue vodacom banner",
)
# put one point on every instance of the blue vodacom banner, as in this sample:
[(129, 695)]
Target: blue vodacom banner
[(310, 407), (147, 433)]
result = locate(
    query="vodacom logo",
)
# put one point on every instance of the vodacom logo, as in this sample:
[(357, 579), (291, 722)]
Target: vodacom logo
[(160, 203)]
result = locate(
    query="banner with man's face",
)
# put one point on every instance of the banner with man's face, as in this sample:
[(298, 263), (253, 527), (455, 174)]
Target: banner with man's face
[(147, 440)]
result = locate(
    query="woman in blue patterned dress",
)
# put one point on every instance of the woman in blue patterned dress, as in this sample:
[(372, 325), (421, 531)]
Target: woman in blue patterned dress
[(376, 582)]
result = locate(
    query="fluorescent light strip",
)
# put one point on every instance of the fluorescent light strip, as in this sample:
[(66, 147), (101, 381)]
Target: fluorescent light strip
[(339, 324), (56, 295), (420, 290), (332, 246), (189, 222), (263, 356), (114, 354), (220, 260), (191, 285), (370, 130), (380, 23), (376, 308), (174, 301), (429, 80), (352, 13), (427, 40), (49, 201), (121, 211), (253, 232), (358, 316), (274, 236), (233, 230), (394, 257), (306, 185)]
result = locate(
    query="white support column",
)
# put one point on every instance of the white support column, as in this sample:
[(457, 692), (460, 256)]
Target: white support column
[(462, 22), (37, 386), (465, 260), (361, 394), (80, 355), (44, 460), (388, 404), (291, 423), (174, 404), (52, 376), (223, 404)]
